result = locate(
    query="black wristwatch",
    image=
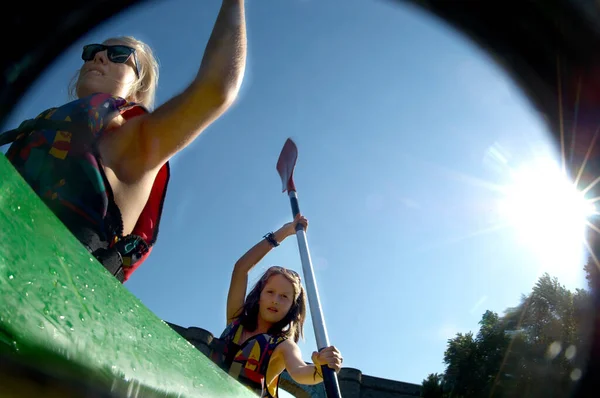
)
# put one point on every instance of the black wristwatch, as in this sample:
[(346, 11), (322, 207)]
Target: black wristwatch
[(270, 237)]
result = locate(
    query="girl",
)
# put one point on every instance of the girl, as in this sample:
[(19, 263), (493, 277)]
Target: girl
[(100, 162), (260, 339)]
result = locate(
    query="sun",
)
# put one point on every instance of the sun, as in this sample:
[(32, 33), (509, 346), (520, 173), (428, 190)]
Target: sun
[(548, 213)]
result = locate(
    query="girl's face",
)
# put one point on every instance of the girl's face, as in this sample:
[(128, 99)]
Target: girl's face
[(276, 299)]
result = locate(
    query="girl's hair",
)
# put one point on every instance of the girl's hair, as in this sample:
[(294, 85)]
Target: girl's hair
[(144, 88), (292, 324)]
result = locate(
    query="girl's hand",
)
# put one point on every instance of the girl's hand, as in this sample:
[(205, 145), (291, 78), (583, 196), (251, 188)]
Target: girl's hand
[(329, 356), (289, 228)]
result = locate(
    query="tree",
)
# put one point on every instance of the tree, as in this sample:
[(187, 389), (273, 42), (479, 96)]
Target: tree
[(463, 369), (492, 344), (542, 329), (433, 386), (535, 349), (592, 274)]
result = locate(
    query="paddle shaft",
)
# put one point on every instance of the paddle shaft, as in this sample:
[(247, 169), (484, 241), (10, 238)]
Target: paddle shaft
[(332, 387)]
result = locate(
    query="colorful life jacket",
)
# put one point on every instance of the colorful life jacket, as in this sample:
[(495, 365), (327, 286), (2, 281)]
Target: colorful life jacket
[(248, 362), (57, 154)]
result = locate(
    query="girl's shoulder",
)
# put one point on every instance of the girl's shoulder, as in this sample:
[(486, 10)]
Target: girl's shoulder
[(231, 328), (285, 346)]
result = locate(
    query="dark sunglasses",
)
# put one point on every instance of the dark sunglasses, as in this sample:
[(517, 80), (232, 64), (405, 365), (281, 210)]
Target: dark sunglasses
[(118, 54)]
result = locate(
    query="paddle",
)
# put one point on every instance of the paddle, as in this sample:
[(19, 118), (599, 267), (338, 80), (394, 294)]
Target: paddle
[(285, 167)]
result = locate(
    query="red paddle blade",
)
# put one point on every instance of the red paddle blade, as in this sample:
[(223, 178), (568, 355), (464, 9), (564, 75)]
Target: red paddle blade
[(286, 165)]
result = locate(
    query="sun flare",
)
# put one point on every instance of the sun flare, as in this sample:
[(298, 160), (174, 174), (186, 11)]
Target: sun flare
[(548, 213)]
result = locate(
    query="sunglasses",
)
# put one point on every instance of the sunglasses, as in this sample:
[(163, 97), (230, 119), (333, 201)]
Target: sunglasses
[(119, 54)]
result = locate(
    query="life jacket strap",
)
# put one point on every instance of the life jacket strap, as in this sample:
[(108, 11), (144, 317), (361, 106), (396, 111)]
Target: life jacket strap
[(109, 257), (111, 260)]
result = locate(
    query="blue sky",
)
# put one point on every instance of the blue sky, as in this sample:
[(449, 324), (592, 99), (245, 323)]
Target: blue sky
[(404, 128)]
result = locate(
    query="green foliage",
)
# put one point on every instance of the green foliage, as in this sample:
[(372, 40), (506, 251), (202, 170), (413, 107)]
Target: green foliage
[(536, 349), (433, 386)]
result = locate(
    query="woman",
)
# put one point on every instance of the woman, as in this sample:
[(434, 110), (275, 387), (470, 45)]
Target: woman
[(100, 162)]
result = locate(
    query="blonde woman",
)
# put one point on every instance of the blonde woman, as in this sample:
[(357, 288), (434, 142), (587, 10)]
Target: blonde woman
[(100, 162)]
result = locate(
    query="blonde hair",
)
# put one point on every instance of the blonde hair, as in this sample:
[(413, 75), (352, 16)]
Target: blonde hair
[(144, 87)]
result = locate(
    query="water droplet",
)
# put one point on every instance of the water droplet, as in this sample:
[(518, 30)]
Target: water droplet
[(41, 326), (570, 352), (150, 335), (61, 317), (81, 317), (575, 374), (86, 285), (52, 270), (553, 350)]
